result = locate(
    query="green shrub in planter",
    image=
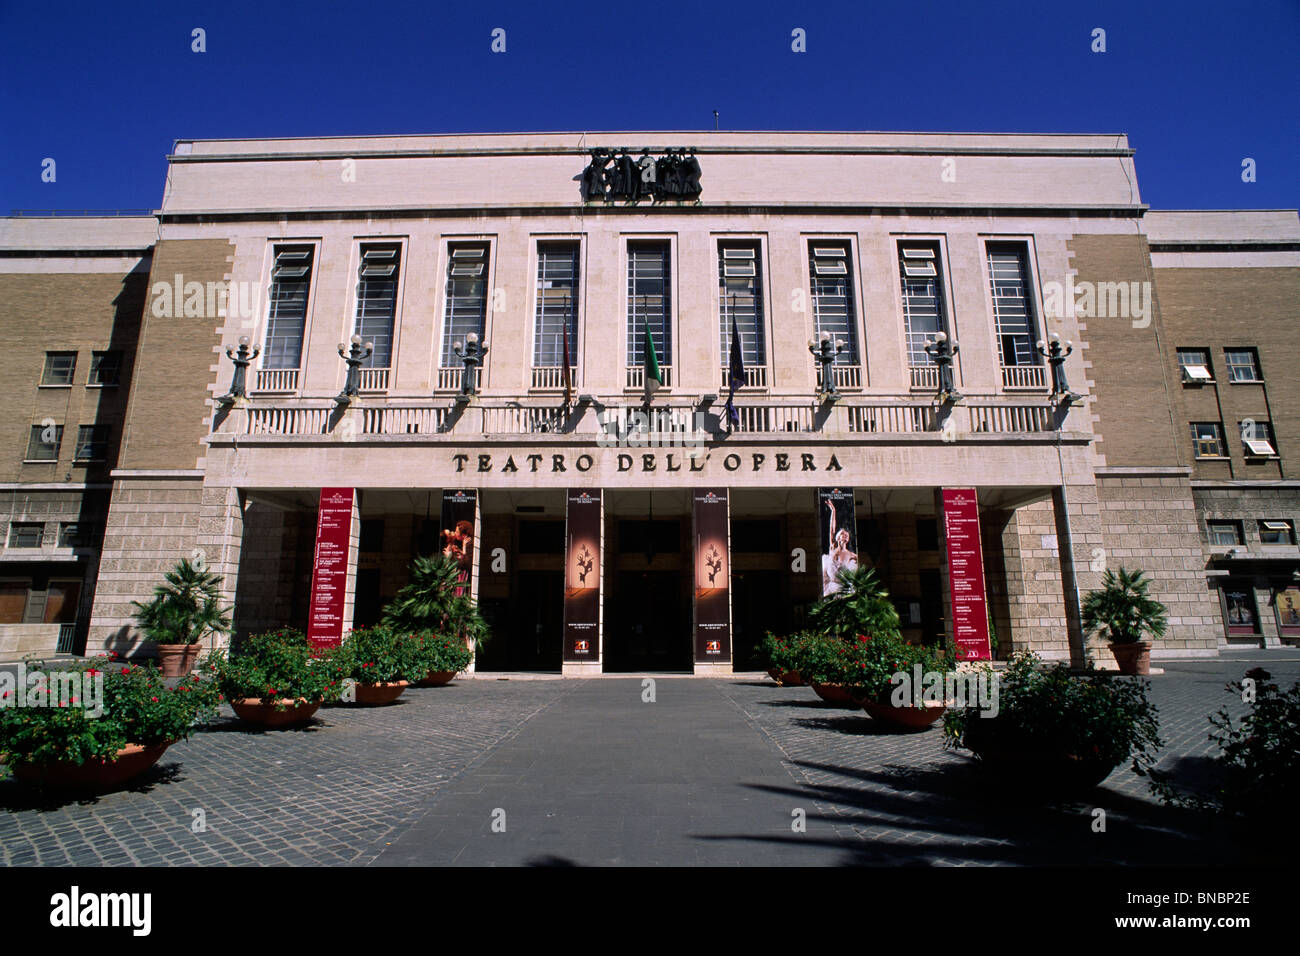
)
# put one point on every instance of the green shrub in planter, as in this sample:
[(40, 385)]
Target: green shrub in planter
[(870, 663), (777, 653), (380, 655), (819, 658), (1259, 757), (1052, 723), (278, 666), (440, 653), (137, 708)]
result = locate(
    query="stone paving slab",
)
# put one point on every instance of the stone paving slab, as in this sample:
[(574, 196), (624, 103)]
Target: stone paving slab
[(589, 774)]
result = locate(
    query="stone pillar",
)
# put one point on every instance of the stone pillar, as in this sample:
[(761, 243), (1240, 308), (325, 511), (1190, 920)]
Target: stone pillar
[(1081, 556), (219, 543)]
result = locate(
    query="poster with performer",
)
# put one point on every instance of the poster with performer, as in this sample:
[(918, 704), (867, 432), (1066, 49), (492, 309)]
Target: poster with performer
[(970, 614), (459, 512), (712, 576), (839, 535), (582, 576), (329, 576)]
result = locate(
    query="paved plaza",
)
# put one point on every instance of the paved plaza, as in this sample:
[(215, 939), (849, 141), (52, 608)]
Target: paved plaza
[(588, 772)]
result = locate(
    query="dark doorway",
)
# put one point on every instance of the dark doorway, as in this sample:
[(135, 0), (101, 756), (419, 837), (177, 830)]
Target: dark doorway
[(651, 624), (757, 606), (528, 636), (368, 604), (931, 607)]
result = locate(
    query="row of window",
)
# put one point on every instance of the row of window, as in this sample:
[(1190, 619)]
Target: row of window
[(1271, 531), (45, 441), (1242, 365), (1256, 440), (649, 301), (31, 534), (50, 601), (61, 368)]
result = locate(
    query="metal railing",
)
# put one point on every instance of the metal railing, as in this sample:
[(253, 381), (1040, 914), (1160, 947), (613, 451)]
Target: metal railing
[(373, 380), (636, 376), (449, 379), (925, 378), (845, 376), (550, 378)]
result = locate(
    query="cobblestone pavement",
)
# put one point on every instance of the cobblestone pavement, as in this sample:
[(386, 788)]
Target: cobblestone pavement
[(362, 785), (900, 798)]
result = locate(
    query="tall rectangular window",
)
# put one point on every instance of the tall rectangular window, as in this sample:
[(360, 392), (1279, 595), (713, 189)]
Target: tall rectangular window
[(557, 304), (1195, 366), (831, 269), (1013, 310), (740, 278), (59, 368), (648, 302), (43, 445), (1207, 440), (377, 300), (923, 317), (105, 368), (286, 317), (92, 443), (466, 309), (1243, 365)]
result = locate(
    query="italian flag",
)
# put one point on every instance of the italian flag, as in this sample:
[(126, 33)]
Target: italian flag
[(653, 377)]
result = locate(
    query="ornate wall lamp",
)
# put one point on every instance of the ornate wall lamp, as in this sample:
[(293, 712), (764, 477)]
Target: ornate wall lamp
[(824, 352), (241, 359), (354, 356), (1056, 354), (942, 350), (471, 354)]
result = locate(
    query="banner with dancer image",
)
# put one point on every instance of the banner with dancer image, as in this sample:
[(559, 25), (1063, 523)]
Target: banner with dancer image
[(839, 535), (712, 577), (459, 512), (582, 576)]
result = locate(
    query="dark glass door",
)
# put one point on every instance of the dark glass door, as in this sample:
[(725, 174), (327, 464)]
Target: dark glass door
[(651, 626)]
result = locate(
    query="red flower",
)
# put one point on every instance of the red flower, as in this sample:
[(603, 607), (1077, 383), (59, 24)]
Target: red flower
[(92, 672), (154, 699), (126, 670)]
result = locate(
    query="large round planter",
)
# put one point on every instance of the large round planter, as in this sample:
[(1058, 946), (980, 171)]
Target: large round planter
[(786, 678), (177, 660), (436, 679), (1033, 772), (1133, 659), (836, 695), (908, 718), (94, 775), (254, 710), (375, 695)]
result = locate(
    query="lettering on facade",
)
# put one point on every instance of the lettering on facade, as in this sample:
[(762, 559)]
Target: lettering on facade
[(647, 462), (620, 177)]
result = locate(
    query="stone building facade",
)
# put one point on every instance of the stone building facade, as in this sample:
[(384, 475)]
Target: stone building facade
[(875, 241)]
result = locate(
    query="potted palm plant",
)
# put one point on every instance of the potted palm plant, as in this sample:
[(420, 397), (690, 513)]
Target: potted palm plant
[(1123, 610), (429, 604), (184, 610), (860, 607)]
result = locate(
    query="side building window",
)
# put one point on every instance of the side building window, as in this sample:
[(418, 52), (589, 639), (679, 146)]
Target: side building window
[(740, 302), (649, 306), (43, 443), (1013, 316), (923, 316), (1207, 440), (556, 313), (1195, 367), (376, 317), (465, 313), (286, 318), (1243, 365), (830, 267)]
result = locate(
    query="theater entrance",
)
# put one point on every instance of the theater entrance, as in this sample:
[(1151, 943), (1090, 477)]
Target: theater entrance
[(650, 624)]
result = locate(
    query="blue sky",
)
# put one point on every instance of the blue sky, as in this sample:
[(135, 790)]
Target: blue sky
[(103, 89)]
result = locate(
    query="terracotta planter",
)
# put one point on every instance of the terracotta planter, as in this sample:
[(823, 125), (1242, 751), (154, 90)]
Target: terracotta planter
[(375, 695), (1034, 772), (177, 660), (436, 679), (1133, 658), (836, 695), (909, 717), (254, 710), (786, 678), (94, 775)]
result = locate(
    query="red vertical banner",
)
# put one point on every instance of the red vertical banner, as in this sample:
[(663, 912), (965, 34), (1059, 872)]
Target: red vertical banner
[(459, 512), (329, 577), (712, 577), (582, 576), (970, 616)]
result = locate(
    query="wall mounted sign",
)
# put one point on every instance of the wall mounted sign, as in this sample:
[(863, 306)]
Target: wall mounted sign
[(970, 617), (459, 511), (582, 566), (712, 576), (839, 535), (622, 177), (329, 577)]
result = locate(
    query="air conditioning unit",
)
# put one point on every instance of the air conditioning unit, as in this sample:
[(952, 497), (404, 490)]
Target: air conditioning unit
[(1258, 448)]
